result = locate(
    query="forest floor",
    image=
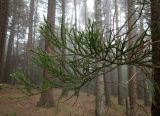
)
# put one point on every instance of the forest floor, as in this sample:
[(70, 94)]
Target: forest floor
[(85, 105)]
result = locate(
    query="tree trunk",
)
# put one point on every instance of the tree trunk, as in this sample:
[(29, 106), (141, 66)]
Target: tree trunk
[(35, 23), (8, 65), (120, 89), (29, 71), (107, 76), (140, 84), (147, 100), (17, 47), (85, 19), (75, 14), (3, 29), (106, 87), (155, 32), (114, 82), (46, 99), (131, 69), (100, 98)]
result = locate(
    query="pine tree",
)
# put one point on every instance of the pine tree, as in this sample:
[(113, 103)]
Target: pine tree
[(3, 29), (8, 66), (46, 99), (155, 35)]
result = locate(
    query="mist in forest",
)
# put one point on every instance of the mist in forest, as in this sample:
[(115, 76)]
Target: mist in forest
[(79, 58)]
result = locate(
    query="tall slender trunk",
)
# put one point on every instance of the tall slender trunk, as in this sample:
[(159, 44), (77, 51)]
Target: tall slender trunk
[(155, 32), (131, 69), (17, 47), (35, 22), (8, 65), (85, 19), (147, 96), (107, 75), (46, 99), (75, 14), (29, 71), (100, 98), (3, 29), (120, 89)]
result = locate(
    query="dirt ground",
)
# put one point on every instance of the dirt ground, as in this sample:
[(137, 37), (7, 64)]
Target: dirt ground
[(85, 106)]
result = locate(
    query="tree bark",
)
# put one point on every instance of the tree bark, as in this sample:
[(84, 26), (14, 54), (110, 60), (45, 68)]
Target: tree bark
[(29, 71), (8, 65), (120, 89), (147, 100), (100, 98), (46, 99), (3, 29), (155, 32), (106, 87), (75, 14)]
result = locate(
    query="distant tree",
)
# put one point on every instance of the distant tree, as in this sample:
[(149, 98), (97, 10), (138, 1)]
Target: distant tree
[(119, 68), (21, 28), (144, 87), (86, 19), (131, 69), (100, 98), (8, 65), (63, 36), (29, 72), (107, 75), (3, 29), (35, 23), (75, 14)]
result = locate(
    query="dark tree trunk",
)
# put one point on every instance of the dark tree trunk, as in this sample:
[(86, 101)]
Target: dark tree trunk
[(155, 32), (3, 29), (8, 66), (29, 71)]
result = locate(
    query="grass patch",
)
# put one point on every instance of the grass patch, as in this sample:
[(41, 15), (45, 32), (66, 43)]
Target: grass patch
[(12, 114)]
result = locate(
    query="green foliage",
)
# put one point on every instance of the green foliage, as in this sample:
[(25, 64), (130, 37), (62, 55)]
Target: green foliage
[(85, 48), (71, 63), (25, 84), (12, 114), (3, 86)]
